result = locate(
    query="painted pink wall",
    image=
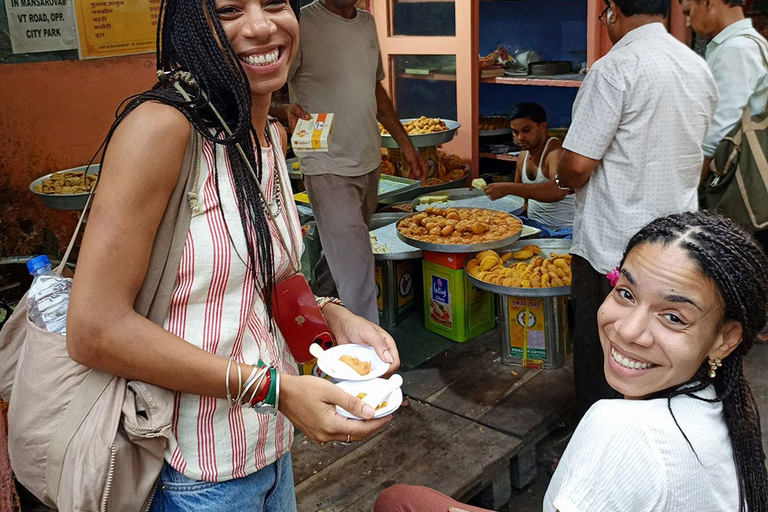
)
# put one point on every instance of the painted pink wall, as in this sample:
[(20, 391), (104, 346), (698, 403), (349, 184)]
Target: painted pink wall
[(53, 116)]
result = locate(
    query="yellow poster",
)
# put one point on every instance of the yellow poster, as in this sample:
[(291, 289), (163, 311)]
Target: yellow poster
[(108, 28)]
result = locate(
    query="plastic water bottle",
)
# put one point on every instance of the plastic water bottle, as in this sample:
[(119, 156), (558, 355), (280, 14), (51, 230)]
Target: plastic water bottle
[(48, 297)]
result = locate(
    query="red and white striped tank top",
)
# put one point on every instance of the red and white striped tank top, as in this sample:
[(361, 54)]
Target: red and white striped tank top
[(216, 307)]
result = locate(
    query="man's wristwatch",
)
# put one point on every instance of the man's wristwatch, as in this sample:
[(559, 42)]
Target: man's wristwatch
[(559, 184)]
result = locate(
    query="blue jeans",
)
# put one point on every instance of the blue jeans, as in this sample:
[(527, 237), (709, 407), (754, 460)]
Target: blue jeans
[(268, 490)]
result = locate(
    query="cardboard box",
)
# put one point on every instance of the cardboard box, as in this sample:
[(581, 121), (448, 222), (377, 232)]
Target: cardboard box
[(453, 307), (313, 135)]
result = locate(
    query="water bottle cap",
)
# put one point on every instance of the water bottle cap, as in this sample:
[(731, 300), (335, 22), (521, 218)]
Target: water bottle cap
[(37, 263)]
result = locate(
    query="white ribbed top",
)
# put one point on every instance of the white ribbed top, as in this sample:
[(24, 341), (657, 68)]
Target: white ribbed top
[(629, 456)]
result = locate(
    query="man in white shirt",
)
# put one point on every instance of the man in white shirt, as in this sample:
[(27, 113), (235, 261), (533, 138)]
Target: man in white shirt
[(632, 153), (737, 63), (339, 69)]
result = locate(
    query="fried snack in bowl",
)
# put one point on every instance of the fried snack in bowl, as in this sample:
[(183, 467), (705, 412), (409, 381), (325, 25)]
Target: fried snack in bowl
[(66, 182), (459, 226), (534, 272), (361, 367)]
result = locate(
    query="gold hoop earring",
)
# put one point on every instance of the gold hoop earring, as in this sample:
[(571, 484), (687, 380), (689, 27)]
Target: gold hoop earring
[(714, 364)]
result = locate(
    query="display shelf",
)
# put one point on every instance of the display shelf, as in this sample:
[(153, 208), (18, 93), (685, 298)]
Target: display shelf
[(495, 156), (439, 77), (572, 80)]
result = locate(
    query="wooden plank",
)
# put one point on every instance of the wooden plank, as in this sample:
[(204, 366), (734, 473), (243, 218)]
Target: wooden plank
[(532, 409), (468, 461), (413, 434), (309, 457), (570, 80), (453, 366)]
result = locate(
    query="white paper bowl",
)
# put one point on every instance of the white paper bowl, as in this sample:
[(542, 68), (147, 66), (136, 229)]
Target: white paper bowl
[(363, 353), (394, 399)]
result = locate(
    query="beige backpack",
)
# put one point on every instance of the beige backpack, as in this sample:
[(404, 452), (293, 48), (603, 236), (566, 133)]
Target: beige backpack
[(80, 439)]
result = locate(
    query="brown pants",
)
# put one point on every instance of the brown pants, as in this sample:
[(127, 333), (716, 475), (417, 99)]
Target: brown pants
[(410, 498), (342, 207)]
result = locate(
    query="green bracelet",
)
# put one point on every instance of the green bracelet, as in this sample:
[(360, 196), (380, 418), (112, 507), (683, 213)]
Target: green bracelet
[(272, 393)]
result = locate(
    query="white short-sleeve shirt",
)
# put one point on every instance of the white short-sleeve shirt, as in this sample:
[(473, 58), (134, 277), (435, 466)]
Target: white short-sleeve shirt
[(642, 111), (628, 455)]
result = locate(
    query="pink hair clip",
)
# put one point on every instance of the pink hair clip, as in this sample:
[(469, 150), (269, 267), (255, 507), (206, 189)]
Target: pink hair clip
[(613, 276)]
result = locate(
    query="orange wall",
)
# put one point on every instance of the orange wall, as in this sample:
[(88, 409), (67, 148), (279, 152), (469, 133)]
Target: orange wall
[(53, 116)]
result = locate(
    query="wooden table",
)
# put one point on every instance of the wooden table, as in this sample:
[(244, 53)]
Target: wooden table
[(471, 430)]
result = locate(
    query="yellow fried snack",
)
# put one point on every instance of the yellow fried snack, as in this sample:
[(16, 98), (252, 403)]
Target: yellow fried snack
[(70, 182), (534, 248), (380, 406), (489, 262), (523, 255), (490, 267), (361, 367)]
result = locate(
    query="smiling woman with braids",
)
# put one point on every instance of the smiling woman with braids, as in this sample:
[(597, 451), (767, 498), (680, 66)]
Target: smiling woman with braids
[(225, 452), (691, 296)]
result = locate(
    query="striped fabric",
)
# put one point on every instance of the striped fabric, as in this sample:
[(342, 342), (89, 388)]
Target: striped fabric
[(215, 306)]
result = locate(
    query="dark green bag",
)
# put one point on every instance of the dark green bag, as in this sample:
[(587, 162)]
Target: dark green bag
[(738, 185)]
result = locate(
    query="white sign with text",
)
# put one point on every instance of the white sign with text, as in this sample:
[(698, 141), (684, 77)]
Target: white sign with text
[(41, 25)]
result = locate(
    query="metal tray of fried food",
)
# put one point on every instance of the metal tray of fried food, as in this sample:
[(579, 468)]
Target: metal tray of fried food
[(458, 248), (547, 245)]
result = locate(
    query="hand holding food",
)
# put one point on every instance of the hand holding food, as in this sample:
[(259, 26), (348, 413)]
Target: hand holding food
[(310, 403), (347, 327), (534, 272), (459, 226)]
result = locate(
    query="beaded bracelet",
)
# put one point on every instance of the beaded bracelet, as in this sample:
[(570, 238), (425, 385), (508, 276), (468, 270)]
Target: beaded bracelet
[(324, 301)]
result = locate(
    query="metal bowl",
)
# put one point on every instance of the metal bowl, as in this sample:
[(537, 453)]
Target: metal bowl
[(458, 248), (426, 140), (547, 245), (65, 201)]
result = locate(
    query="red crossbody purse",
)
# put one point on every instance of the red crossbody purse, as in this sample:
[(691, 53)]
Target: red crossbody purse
[(294, 306)]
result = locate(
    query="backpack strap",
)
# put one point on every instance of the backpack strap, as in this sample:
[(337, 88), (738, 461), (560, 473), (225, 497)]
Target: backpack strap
[(761, 45)]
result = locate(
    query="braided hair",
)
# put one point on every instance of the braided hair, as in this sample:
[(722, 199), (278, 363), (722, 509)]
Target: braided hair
[(737, 266), (190, 38)]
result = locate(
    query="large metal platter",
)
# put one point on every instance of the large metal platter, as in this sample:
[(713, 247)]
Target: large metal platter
[(547, 245), (64, 201), (458, 248), (494, 133), (426, 140), (411, 193), (398, 250), (464, 198)]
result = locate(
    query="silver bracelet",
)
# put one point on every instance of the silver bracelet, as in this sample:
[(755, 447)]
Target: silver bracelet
[(249, 383), (260, 379), (230, 399)]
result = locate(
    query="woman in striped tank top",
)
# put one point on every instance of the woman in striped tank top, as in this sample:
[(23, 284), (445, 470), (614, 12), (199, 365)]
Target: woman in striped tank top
[(224, 453)]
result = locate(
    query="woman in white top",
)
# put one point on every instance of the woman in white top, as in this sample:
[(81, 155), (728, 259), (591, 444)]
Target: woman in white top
[(536, 168), (690, 297), (229, 450)]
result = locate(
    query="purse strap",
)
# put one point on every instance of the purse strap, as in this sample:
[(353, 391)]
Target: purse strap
[(186, 77)]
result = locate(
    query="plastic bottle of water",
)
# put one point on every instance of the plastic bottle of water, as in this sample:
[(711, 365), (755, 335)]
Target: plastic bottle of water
[(48, 297)]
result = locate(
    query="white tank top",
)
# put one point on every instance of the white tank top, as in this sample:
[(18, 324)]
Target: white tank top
[(553, 215)]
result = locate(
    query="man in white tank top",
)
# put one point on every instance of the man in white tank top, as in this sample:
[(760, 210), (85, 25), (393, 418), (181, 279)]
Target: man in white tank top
[(536, 169)]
